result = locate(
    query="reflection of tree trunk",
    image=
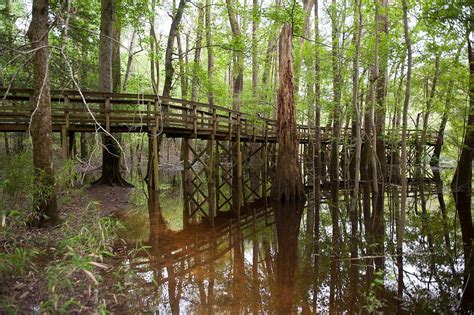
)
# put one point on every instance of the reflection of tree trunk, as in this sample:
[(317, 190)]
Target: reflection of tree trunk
[(403, 160), (380, 94), (268, 263), (420, 144), (238, 276), (356, 123), (334, 162), (287, 220), (435, 168), (461, 187), (212, 276), (155, 215), (256, 301), (186, 178), (306, 272), (318, 174), (400, 286), (175, 284)]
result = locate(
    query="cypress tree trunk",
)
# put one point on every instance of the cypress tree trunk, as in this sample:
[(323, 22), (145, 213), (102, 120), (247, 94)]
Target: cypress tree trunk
[(287, 184), (461, 187), (45, 204), (111, 151)]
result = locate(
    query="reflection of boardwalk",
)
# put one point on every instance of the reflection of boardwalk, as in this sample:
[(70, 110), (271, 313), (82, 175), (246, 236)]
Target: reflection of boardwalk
[(169, 248), (429, 187)]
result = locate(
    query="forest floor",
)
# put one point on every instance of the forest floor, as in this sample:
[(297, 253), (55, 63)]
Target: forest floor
[(68, 268)]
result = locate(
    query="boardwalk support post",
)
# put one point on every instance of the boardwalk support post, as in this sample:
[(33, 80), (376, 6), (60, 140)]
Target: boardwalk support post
[(156, 179), (64, 142)]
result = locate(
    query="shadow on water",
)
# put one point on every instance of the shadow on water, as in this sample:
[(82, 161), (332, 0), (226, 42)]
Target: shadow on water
[(280, 259)]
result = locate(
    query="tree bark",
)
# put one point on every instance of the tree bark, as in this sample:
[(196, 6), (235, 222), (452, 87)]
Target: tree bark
[(255, 8), (128, 70), (287, 183), (154, 49), (169, 69), (403, 161), (210, 53), (358, 144), (183, 72), (108, 69), (45, 204), (197, 54), (237, 85), (238, 64), (334, 162), (461, 187)]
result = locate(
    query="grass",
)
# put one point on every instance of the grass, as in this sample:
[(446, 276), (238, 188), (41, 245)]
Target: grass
[(54, 270), (65, 263)]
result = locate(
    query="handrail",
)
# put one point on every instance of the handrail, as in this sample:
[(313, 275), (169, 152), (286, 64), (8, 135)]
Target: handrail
[(216, 118)]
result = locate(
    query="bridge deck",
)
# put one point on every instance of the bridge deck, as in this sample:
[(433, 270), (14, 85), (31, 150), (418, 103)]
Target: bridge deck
[(136, 113)]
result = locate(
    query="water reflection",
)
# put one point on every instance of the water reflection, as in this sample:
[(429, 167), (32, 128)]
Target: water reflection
[(288, 258), (287, 222)]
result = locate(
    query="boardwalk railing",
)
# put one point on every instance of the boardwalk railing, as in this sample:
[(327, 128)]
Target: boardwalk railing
[(119, 112)]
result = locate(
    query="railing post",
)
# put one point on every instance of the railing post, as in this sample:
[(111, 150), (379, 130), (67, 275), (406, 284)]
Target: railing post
[(230, 126), (210, 182), (156, 179), (239, 168), (148, 114), (195, 119), (66, 110), (214, 122), (66, 152), (63, 141), (157, 114)]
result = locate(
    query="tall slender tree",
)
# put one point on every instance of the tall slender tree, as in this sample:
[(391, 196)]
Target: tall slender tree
[(111, 151), (169, 69), (461, 184), (45, 204), (403, 161)]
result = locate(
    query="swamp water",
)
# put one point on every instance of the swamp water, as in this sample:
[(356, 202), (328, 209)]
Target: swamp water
[(274, 261)]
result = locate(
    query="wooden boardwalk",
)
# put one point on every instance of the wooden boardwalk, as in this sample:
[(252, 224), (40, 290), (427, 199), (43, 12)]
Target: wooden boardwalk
[(234, 165), (73, 111)]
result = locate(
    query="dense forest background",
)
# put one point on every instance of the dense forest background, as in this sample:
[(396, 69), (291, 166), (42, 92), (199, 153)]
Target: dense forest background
[(141, 31), (365, 71)]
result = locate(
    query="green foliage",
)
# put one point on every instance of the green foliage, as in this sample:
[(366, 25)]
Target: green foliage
[(18, 175), (18, 188), (372, 302), (289, 13), (17, 262), (68, 175), (73, 260)]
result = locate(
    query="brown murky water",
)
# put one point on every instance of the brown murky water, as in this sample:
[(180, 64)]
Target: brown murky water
[(274, 260)]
